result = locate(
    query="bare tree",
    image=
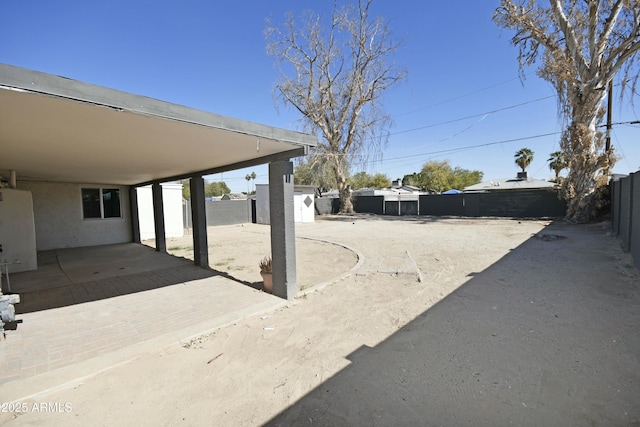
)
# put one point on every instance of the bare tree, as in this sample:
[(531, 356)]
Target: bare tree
[(313, 170), (580, 46), (335, 75)]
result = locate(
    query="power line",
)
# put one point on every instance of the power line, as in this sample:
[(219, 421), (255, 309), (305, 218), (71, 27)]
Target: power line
[(469, 147), (459, 97), (472, 116), (632, 122)]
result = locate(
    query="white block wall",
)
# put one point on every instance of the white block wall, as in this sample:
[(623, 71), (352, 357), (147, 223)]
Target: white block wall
[(17, 230), (173, 213)]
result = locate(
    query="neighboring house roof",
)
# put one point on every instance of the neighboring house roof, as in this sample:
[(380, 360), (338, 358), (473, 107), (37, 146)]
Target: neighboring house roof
[(387, 192), (234, 196), (618, 176), (331, 193), (510, 184), (410, 189), (58, 129)]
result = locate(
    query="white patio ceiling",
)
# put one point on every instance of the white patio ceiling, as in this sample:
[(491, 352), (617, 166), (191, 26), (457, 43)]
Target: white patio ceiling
[(56, 129)]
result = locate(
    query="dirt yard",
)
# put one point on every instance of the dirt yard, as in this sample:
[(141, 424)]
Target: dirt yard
[(441, 322)]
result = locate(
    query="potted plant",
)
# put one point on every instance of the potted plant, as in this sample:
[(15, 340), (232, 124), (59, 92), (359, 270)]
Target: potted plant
[(266, 273)]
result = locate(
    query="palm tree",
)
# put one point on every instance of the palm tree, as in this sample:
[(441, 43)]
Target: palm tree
[(557, 162), (253, 177), (524, 157), (248, 178)]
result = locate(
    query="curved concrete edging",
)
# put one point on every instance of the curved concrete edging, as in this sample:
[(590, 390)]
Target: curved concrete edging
[(353, 269)]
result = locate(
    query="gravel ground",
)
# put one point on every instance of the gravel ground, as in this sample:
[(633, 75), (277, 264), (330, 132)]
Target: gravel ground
[(442, 322)]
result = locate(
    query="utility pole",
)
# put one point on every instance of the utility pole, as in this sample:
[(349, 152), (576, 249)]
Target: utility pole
[(609, 105)]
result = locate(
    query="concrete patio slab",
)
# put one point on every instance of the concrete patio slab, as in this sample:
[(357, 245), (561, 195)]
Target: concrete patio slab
[(83, 319), (86, 309)]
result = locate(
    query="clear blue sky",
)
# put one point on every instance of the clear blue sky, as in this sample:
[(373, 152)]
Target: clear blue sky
[(211, 56)]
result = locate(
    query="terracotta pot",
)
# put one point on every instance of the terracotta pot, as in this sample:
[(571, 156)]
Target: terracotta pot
[(267, 279)]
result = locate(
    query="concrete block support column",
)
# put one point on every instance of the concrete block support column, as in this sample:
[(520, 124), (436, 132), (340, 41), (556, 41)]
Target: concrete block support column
[(135, 215), (199, 221), (158, 217), (283, 238)]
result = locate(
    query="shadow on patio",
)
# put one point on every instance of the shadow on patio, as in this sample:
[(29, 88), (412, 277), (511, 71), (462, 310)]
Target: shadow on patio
[(74, 276), (114, 300), (548, 335)]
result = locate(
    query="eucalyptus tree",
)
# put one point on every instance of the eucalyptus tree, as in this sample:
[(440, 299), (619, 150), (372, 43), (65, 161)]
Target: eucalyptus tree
[(579, 47), (313, 170), (335, 73)]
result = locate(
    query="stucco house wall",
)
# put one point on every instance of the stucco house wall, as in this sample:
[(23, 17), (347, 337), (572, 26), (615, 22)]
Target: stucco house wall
[(59, 221), (17, 230)]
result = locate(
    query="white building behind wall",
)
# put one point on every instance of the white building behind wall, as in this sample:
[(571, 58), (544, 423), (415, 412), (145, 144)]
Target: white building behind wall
[(172, 206), (303, 203)]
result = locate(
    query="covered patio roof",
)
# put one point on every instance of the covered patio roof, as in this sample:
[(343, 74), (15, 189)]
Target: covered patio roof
[(91, 134)]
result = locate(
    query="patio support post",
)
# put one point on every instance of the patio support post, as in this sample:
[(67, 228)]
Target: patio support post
[(135, 216), (158, 217), (199, 222), (283, 244)]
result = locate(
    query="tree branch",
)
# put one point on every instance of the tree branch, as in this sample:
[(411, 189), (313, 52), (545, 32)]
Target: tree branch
[(570, 38)]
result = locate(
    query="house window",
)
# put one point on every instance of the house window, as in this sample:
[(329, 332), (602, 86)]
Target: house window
[(101, 203)]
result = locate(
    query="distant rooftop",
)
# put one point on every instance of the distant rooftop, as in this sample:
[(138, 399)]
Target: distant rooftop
[(510, 184)]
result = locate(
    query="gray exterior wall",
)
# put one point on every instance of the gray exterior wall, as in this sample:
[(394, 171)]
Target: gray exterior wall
[(515, 203), (444, 205), (510, 204), (634, 238), (401, 207), (625, 203), (369, 204), (615, 207), (522, 204), (59, 222), (625, 213), (327, 205), (228, 212), (222, 212)]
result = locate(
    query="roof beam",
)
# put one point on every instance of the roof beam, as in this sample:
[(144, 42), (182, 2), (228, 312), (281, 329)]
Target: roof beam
[(286, 155)]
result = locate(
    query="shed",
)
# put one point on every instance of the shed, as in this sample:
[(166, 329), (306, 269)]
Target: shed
[(303, 203)]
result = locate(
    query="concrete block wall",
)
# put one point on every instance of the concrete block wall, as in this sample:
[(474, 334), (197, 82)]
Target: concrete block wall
[(615, 207), (513, 203), (634, 238), (625, 213), (369, 204), (443, 205), (327, 205), (625, 203), (228, 212)]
